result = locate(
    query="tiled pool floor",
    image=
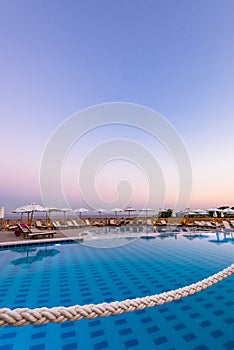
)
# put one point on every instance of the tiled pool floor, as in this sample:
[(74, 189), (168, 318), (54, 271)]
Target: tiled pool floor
[(70, 274)]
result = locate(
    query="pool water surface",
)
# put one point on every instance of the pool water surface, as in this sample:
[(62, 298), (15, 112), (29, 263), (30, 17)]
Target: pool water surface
[(74, 273)]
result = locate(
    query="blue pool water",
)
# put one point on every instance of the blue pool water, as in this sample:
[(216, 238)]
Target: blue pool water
[(73, 273)]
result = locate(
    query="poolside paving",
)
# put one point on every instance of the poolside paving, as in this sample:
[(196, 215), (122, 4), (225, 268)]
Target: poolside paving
[(9, 238)]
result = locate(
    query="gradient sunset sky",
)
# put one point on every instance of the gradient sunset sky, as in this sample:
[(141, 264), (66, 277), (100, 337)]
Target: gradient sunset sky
[(60, 57)]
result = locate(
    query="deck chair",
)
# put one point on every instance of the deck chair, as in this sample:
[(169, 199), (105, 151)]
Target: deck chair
[(41, 225), (27, 232), (210, 225), (227, 227), (113, 222), (58, 225), (161, 223), (200, 224), (70, 224), (97, 223), (87, 222)]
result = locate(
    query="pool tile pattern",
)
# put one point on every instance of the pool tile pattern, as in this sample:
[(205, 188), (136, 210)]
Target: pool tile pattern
[(68, 274)]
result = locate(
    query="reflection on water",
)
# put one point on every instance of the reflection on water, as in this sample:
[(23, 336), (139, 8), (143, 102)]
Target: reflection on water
[(30, 258), (223, 237)]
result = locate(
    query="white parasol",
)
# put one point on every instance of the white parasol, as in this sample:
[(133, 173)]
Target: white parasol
[(228, 211), (100, 211), (116, 211), (130, 209), (49, 210), (64, 210), (29, 208), (146, 211), (80, 211)]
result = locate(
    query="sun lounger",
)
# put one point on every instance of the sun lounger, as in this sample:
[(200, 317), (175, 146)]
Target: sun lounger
[(87, 222), (27, 232), (98, 223), (41, 225), (58, 225), (201, 224), (161, 223), (217, 224), (11, 227), (227, 226), (124, 222), (70, 224), (94, 223), (204, 224), (38, 234), (210, 225), (73, 224), (113, 222), (77, 223)]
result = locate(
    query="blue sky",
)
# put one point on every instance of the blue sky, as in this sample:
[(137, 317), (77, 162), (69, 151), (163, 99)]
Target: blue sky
[(175, 57)]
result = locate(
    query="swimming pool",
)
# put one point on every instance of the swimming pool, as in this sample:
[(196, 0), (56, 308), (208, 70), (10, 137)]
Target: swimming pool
[(73, 273)]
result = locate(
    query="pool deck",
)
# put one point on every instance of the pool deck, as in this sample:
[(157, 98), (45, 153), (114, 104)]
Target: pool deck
[(8, 238)]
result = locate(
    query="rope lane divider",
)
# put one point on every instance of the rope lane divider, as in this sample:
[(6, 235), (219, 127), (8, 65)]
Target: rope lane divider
[(43, 315)]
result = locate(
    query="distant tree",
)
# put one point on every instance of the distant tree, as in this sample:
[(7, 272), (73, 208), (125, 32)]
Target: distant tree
[(166, 213), (169, 213), (224, 207)]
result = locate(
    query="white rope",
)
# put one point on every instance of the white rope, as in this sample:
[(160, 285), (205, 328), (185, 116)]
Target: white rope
[(39, 316)]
